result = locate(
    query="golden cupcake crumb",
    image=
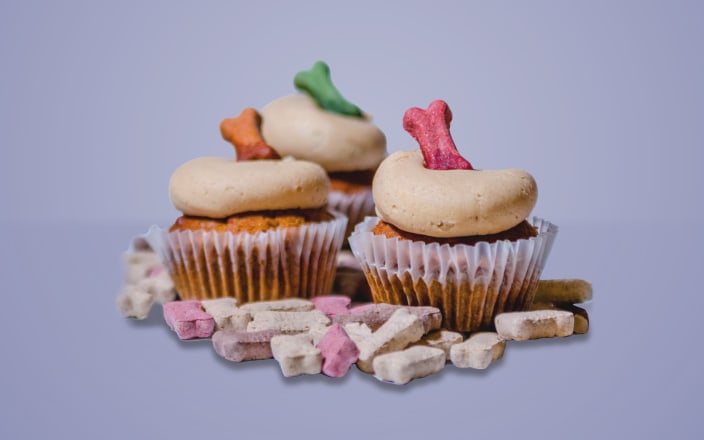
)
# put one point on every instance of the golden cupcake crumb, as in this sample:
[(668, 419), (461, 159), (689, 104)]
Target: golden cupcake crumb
[(253, 222)]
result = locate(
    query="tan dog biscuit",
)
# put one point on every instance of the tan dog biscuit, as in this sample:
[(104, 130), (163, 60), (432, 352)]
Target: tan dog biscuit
[(442, 339), (357, 331), (287, 322), (478, 351), (137, 265), (581, 317), (134, 302), (226, 314), (573, 291), (159, 284), (375, 315), (400, 367), (521, 326), (296, 354), (402, 329), (317, 332), (281, 305)]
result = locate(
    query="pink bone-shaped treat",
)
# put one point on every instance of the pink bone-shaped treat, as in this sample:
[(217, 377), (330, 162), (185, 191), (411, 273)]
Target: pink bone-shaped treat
[(431, 128)]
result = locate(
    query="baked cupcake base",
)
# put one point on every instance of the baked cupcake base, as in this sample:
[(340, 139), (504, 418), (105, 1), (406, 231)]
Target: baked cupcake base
[(297, 261), (470, 284)]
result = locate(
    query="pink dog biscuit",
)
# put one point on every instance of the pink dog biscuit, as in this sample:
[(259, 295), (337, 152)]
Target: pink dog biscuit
[(431, 128), (375, 315), (338, 351), (238, 346), (332, 305), (188, 320)]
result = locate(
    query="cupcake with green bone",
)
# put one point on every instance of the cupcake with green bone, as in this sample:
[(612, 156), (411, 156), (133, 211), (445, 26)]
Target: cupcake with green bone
[(319, 125)]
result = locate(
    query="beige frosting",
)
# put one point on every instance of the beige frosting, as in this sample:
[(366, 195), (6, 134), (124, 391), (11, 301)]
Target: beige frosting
[(216, 187), (295, 125), (450, 203)]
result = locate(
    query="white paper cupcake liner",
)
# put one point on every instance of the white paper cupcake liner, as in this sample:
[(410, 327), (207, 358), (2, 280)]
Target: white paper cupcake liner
[(355, 206), (279, 263), (469, 284)]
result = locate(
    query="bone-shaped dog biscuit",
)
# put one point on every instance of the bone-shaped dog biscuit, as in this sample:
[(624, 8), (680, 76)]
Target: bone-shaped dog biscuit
[(535, 324), (431, 128), (401, 330), (287, 322), (296, 354), (243, 133), (478, 351), (317, 83), (401, 367), (572, 291)]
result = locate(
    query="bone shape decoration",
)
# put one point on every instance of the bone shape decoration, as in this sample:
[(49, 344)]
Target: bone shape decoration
[(317, 83), (431, 128), (243, 132)]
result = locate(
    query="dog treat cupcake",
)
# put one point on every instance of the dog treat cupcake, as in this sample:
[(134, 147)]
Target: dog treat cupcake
[(256, 228), (448, 235), (319, 125)]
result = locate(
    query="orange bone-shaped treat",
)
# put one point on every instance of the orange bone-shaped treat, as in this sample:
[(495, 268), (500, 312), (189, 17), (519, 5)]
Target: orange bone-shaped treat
[(243, 132), (431, 128)]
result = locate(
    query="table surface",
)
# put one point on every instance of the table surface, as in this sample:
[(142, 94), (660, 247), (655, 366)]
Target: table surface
[(74, 366)]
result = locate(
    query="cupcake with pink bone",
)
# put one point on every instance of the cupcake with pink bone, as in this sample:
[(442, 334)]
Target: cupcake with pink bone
[(449, 235)]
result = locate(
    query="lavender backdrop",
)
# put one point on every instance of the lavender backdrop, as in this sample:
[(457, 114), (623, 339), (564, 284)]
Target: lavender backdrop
[(602, 101)]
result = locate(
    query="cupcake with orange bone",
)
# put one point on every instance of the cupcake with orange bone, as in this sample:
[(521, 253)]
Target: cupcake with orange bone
[(320, 125), (255, 228), (448, 235)]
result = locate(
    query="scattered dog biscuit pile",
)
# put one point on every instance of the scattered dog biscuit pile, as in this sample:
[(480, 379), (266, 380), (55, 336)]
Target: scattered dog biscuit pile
[(146, 281), (328, 335)]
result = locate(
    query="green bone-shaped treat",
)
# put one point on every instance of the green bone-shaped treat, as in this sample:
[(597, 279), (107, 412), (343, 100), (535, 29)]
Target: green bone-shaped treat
[(317, 83)]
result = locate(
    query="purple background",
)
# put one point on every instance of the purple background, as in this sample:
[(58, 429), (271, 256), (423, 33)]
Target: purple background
[(601, 101)]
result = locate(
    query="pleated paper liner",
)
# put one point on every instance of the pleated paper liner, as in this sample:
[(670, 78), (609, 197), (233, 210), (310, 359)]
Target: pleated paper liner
[(279, 263), (355, 205), (469, 284)]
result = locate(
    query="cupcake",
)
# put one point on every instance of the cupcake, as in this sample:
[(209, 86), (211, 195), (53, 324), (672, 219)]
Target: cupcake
[(319, 125), (448, 235), (256, 228)]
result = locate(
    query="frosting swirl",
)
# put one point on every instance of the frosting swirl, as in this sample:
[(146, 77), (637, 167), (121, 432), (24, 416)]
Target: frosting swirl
[(295, 125), (450, 203), (217, 187)]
